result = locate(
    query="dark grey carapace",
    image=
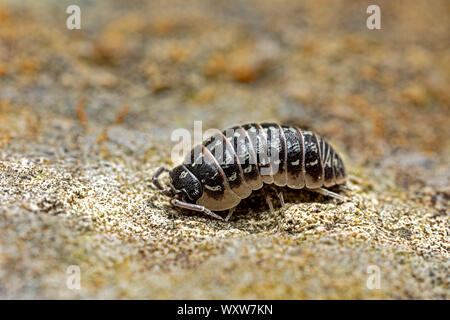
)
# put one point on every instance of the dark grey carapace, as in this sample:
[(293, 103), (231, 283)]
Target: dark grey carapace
[(227, 167)]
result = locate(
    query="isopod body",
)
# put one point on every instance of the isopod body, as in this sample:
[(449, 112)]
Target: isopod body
[(230, 165)]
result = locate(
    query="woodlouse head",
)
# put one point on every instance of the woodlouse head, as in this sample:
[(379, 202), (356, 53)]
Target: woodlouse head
[(182, 183)]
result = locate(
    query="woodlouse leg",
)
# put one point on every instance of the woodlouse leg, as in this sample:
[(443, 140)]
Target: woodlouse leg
[(230, 213), (329, 193), (269, 202), (280, 195), (345, 188), (194, 207)]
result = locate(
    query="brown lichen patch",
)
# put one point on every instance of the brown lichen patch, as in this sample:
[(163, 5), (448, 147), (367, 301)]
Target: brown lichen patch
[(247, 63)]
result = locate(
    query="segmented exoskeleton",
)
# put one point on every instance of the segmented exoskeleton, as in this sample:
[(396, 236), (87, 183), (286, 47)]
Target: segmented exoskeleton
[(228, 166)]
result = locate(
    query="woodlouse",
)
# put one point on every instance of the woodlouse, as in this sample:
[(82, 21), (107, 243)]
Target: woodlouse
[(228, 166)]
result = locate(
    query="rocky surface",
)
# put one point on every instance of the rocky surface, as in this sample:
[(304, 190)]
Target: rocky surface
[(86, 118)]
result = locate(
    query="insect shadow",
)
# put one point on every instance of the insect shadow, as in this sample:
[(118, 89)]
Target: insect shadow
[(257, 205)]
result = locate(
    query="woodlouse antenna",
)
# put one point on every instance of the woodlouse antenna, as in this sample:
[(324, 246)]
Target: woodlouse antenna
[(170, 192)]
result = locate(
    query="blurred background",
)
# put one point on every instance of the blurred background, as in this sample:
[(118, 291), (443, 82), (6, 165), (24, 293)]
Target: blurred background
[(86, 117)]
